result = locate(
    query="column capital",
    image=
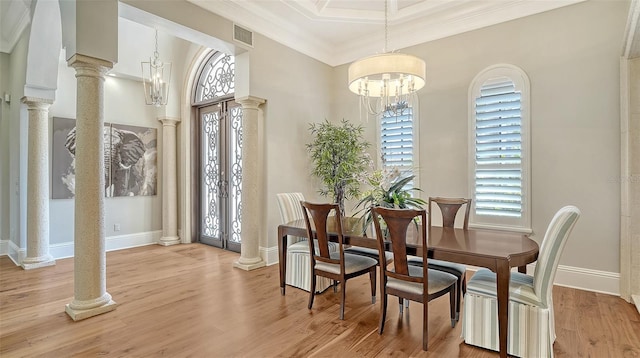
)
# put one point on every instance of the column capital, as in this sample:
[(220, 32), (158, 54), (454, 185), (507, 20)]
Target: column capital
[(250, 102), (169, 121), (89, 64), (36, 103)]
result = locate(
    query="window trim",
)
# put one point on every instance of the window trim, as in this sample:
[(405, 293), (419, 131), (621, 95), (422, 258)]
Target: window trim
[(521, 82)]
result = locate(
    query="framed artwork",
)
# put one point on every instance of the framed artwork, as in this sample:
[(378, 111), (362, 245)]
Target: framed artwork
[(130, 159)]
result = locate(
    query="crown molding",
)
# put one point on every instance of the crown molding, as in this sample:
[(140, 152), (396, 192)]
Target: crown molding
[(16, 16), (631, 45)]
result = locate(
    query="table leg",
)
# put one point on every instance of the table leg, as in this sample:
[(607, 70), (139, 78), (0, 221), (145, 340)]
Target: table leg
[(282, 250), (522, 269), (503, 275)]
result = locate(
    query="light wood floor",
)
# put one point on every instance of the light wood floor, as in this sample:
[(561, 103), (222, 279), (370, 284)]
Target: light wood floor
[(188, 301)]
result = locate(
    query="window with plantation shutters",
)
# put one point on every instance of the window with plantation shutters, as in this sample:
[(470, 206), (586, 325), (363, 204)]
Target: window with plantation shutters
[(398, 139), (499, 148)]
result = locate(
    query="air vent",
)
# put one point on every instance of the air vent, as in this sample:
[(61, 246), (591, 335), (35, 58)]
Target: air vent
[(243, 35)]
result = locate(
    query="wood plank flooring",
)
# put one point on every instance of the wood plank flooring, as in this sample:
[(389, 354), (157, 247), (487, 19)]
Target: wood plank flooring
[(188, 301)]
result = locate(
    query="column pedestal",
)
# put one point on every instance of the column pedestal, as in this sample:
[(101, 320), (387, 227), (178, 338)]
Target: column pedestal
[(169, 183), (38, 185), (251, 185), (90, 296)]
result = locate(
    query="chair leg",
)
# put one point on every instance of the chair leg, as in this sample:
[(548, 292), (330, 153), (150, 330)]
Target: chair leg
[(383, 310), (453, 305), (342, 298), (464, 283), (401, 307), (425, 323), (312, 290), (335, 286), (372, 277), (458, 298)]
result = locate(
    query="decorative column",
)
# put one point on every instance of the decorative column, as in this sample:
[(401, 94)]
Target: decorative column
[(38, 185), (251, 185), (169, 183), (90, 295)]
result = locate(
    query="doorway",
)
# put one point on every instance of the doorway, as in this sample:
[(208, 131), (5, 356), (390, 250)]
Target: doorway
[(218, 144), (221, 174)]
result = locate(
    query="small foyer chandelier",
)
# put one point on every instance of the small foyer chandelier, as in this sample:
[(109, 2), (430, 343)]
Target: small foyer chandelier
[(387, 81), (156, 76)]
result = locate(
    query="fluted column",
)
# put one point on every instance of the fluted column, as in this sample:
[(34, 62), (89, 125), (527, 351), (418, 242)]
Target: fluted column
[(90, 295), (169, 183), (252, 177), (38, 185)]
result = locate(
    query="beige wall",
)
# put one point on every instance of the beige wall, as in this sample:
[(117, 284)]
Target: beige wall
[(123, 104), (4, 148), (632, 182), (571, 56), (17, 143), (296, 88)]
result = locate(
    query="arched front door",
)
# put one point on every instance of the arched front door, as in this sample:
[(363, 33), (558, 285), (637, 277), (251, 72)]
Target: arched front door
[(219, 158)]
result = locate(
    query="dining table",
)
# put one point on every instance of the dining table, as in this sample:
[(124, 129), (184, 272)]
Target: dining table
[(497, 250)]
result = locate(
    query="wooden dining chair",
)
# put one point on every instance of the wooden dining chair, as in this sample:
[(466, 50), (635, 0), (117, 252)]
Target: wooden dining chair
[(405, 281), (298, 273), (338, 266), (531, 315), (449, 207)]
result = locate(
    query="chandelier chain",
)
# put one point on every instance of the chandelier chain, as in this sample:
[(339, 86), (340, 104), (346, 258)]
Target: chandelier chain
[(155, 53), (386, 26)]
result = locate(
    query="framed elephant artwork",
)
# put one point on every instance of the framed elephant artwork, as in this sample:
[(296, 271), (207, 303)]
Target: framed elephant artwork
[(130, 159)]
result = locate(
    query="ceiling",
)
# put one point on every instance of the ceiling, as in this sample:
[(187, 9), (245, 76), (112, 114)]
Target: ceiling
[(339, 31)]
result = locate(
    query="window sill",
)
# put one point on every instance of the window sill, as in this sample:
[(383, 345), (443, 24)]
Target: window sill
[(523, 230)]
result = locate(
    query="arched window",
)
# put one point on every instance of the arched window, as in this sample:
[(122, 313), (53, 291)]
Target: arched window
[(499, 156), (216, 78)]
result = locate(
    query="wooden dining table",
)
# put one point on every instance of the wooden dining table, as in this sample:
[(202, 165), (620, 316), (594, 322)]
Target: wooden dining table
[(496, 250)]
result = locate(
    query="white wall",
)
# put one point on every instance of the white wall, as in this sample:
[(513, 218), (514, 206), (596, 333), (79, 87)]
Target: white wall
[(571, 56)]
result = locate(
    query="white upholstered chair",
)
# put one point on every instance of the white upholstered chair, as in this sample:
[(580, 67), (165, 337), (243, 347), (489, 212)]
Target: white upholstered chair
[(531, 331), (298, 262)]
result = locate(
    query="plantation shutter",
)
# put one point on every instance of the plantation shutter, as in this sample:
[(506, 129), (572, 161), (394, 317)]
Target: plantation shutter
[(498, 150), (396, 139)]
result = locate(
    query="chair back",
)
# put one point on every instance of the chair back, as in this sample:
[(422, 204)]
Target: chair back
[(398, 221), (449, 207), (320, 216), (290, 210), (552, 245)]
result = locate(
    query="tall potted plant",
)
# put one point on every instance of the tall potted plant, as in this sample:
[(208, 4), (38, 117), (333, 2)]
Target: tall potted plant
[(339, 158)]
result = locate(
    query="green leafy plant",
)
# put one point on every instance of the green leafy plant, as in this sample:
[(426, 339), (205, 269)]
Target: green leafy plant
[(388, 189), (339, 157)]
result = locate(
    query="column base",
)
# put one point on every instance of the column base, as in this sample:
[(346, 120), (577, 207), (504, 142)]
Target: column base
[(79, 314), (34, 263), (169, 240), (249, 264)]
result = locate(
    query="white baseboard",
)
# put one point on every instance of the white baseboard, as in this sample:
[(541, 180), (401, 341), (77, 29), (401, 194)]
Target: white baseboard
[(270, 255), (4, 247), (15, 253), (582, 278), (568, 276), (636, 300), (587, 279), (112, 243), (65, 250)]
